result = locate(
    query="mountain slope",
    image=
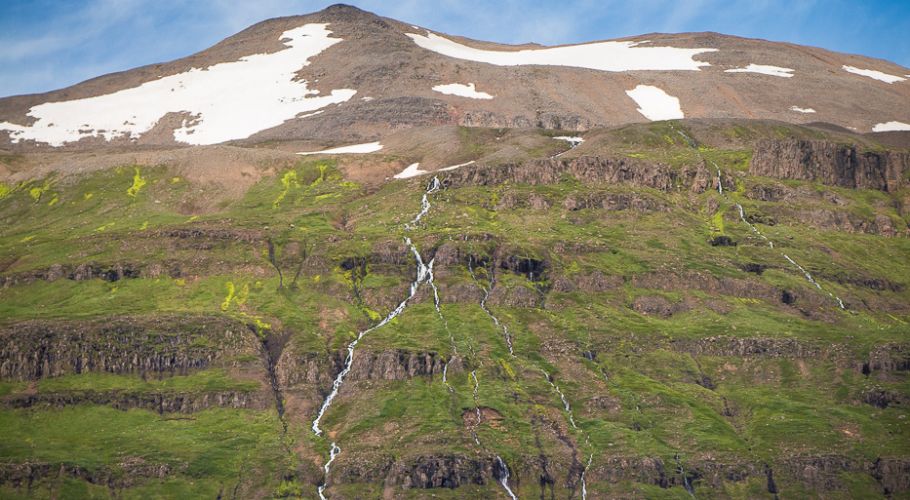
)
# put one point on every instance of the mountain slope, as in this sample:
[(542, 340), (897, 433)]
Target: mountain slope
[(344, 74), (697, 307)]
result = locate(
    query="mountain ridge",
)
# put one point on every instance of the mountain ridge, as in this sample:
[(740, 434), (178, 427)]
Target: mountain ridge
[(368, 269), (375, 59)]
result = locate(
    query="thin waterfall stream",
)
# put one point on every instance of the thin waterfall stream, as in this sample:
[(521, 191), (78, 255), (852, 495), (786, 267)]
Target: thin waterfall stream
[(424, 273), (571, 416), (504, 477), (483, 305), (742, 215)]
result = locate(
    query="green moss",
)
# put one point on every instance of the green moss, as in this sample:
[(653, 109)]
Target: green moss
[(138, 183), (639, 398), (204, 381)]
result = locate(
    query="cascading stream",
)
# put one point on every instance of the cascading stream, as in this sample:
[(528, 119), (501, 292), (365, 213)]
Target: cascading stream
[(742, 216), (433, 187), (565, 402), (339, 380), (424, 273), (504, 477), (571, 415), (476, 407), (445, 324), (333, 452), (504, 469), (584, 485), (483, 305), (682, 472)]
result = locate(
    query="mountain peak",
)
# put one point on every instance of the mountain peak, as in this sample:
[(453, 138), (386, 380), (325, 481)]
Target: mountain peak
[(344, 74), (345, 12)]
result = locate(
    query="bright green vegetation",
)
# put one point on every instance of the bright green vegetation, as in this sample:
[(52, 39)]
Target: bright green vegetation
[(204, 381), (208, 449), (623, 315)]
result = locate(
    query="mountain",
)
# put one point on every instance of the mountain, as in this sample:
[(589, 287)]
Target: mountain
[(346, 75), (341, 256)]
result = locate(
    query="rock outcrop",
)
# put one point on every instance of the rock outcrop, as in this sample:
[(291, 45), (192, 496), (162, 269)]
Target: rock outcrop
[(129, 472), (830, 163), (156, 346), (317, 369), (161, 402), (587, 169)]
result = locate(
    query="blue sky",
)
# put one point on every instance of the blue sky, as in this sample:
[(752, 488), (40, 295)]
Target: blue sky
[(49, 44)]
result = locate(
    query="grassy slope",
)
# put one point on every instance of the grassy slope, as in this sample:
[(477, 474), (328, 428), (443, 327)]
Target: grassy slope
[(782, 407)]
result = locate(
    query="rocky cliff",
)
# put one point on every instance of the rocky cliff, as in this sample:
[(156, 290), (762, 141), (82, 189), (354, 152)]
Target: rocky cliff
[(830, 163)]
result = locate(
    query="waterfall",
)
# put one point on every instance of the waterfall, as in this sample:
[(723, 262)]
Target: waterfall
[(584, 485), (476, 406), (483, 305), (504, 477), (812, 280), (809, 278), (336, 385), (333, 452), (503, 468), (571, 416), (742, 216), (682, 471), (445, 324), (565, 402), (425, 202), (424, 273)]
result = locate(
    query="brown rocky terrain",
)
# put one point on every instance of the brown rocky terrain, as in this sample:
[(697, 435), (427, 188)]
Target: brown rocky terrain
[(711, 306), (394, 77)]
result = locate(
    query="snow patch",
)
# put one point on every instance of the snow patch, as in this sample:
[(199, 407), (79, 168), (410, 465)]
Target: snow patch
[(871, 73), (573, 141), (655, 104), (462, 90), (369, 147), (453, 167), (226, 101), (602, 56), (413, 170), (764, 70), (891, 127), (801, 110)]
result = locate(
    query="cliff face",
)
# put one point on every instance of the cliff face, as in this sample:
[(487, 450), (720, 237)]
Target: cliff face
[(587, 169), (830, 163), (317, 369), (161, 402), (159, 346)]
